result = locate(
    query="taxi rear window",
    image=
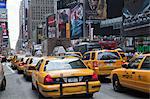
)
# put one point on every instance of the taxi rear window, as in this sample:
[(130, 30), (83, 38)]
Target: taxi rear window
[(52, 65), (108, 56)]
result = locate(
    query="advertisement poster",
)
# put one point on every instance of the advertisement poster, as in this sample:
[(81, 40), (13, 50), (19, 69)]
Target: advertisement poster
[(95, 9), (135, 13), (63, 21), (51, 26), (2, 4), (3, 15), (77, 22)]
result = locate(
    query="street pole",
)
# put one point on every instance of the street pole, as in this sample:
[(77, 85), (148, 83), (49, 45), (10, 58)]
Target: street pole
[(84, 20)]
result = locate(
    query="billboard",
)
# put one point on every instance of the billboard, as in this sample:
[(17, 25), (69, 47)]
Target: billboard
[(2, 4), (95, 9), (64, 22), (3, 15), (132, 7), (51, 26), (136, 13), (77, 22)]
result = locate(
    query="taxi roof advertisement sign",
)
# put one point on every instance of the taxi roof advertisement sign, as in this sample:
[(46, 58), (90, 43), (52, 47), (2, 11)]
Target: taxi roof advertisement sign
[(2, 4)]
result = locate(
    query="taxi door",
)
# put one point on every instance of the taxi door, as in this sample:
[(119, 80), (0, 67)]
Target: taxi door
[(129, 75), (142, 76), (87, 59), (36, 73)]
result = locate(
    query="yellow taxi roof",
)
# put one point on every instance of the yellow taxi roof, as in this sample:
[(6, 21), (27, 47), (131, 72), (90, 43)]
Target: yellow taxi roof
[(104, 51)]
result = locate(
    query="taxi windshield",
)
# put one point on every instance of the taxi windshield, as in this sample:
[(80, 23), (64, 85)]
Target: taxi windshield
[(52, 65)]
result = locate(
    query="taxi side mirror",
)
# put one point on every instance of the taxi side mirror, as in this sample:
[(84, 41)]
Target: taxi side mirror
[(125, 66), (84, 58)]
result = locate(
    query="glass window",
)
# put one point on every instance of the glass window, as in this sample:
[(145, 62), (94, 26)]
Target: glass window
[(86, 56), (135, 62), (146, 64), (38, 65), (52, 65), (35, 61), (108, 56), (93, 56)]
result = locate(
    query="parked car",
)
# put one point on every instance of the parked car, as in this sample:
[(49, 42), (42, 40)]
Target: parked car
[(60, 76), (103, 61), (2, 78), (134, 75)]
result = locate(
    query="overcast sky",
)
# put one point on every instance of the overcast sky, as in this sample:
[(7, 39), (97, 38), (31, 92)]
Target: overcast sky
[(13, 21)]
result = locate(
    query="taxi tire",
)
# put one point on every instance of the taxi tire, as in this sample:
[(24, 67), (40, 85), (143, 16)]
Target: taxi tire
[(3, 85), (116, 84)]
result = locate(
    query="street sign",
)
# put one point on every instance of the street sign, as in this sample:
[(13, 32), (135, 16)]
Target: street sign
[(3, 15)]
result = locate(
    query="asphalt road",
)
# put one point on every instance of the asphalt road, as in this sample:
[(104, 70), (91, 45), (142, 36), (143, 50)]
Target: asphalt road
[(18, 88)]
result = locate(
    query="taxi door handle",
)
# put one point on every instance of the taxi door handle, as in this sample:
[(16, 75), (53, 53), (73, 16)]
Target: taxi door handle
[(133, 72)]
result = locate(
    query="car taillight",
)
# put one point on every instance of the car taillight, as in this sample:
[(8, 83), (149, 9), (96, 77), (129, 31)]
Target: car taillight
[(94, 77), (48, 80), (95, 64), (21, 64)]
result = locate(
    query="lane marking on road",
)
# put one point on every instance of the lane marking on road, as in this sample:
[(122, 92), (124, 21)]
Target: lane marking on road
[(7, 69), (10, 69)]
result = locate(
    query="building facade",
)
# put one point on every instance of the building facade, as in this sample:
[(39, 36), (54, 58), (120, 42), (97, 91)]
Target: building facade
[(4, 34), (38, 11)]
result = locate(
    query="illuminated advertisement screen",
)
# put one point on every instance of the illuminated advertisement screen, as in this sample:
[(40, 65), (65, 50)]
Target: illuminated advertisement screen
[(63, 20), (2, 4), (77, 22), (51, 26), (136, 13), (95, 9)]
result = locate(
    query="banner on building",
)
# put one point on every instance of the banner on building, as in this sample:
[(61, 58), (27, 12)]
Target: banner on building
[(135, 13), (63, 20), (51, 25), (2, 4), (77, 22), (95, 9), (3, 15)]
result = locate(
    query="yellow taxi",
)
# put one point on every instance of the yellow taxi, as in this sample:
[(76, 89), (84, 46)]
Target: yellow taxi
[(30, 67), (135, 75), (17, 62), (75, 54), (60, 76), (10, 58), (13, 61), (122, 53), (22, 64), (103, 61)]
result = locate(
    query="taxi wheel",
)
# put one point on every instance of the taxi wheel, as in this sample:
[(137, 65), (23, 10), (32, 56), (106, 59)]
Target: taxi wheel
[(90, 95), (3, 85), (116, 84)]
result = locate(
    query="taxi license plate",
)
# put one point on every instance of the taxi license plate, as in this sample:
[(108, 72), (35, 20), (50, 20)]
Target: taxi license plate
[(109, 64), (71, 80)]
